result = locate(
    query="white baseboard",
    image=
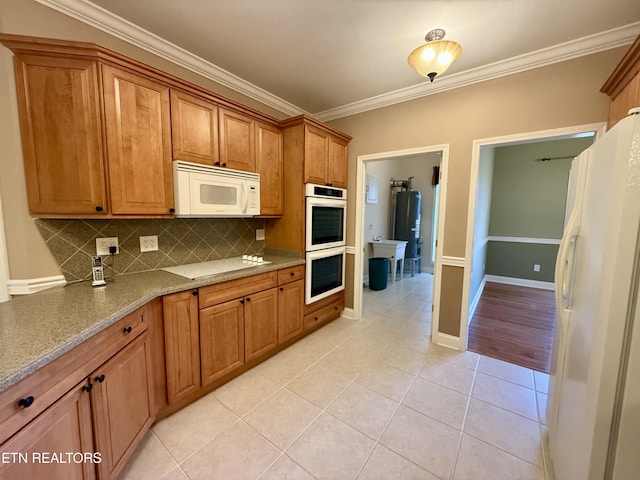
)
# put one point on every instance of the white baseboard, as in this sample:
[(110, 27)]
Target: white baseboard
[(521, 282), (348, 313), (446, 340), (33, 285), (476, 299)]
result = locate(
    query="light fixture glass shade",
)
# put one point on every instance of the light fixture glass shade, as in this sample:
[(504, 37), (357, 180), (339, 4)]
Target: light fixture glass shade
[(433, 58)]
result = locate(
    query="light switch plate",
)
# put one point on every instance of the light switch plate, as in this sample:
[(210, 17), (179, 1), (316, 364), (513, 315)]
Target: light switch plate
[(260, 234)]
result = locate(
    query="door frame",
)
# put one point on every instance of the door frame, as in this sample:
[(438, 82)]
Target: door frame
[(358, 252), (551, 134)]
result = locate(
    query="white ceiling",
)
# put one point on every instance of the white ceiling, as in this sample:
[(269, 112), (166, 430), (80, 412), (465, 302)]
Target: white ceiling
[(332, 58)]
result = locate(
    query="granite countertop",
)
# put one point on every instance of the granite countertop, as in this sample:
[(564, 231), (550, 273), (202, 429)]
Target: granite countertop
[(36, 329)]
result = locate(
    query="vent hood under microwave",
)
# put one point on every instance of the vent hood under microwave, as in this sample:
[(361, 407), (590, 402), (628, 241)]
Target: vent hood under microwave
[(205, 191)]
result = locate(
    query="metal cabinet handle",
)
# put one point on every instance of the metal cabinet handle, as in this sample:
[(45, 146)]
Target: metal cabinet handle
[(127, 329), (87, 388), (26, 402), (99, 208), (282, 289), (194, 293), (99, 378), (172, 210), (248, 299)]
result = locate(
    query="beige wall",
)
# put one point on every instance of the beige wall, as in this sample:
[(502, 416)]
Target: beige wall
[(27, 252), (560, 95)]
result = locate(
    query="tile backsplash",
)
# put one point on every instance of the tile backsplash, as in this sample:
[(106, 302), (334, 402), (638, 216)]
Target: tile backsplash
[(180, 241)]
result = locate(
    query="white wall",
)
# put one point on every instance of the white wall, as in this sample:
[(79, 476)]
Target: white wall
[(378, 216)]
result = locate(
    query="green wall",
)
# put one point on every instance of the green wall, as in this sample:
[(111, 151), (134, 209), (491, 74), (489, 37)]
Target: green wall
[(528, 200)]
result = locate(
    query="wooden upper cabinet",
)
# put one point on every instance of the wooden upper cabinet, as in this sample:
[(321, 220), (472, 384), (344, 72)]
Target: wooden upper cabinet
[(260, 323), (337, 163), (316, 154), (59, 104), (122, 405), (623, 85), (182, 344), (269, 165), (194, 129), (325, 158), (138, 143), (64, 427), (237, 140)]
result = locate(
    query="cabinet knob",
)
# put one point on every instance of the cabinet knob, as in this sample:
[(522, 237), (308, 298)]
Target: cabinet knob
[(172, 210), (127, 329), (242, 301), (224, 164), (87, 388), (315, 318), (292, 273), (248, 299), (99, 209), (282, 289), (217, 164), (99, 378), (194, 293), (26, 402), (329, 184)]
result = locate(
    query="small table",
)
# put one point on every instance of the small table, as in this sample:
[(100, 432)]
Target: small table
[(394, 251)]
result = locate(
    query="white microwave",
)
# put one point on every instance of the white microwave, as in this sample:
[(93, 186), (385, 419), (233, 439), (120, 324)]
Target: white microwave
[(205, 191)]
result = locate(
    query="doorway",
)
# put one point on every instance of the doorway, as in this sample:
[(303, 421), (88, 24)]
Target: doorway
[(363, 232), (505, 247)]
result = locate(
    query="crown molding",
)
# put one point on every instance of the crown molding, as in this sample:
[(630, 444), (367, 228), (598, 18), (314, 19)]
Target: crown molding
[(106, 21), (591, 44)]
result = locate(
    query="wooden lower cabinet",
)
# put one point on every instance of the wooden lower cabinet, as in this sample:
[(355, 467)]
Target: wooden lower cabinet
[(63, 427), (182, 344), (260, 323), (122, 405), (290, 308), (221, 339)]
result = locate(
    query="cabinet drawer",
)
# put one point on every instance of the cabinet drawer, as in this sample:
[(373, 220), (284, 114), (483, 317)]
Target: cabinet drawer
[(291, 274), (46, 385), (323, 315), (223, 292)]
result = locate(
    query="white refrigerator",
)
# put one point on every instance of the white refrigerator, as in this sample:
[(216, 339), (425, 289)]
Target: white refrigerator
[(594, 398)]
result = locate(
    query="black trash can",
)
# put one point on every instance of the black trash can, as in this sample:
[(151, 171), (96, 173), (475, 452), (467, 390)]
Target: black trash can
[(378, 268)]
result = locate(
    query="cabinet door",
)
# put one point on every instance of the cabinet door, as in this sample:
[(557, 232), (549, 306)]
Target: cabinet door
[(269, 165), (260, 322), (64, 427), (290, 310), (138, 144), (194, 129), (221, 339), (337, 163), (182, 344), (316, 151), (122, 404), (237, 141), (59, 104)]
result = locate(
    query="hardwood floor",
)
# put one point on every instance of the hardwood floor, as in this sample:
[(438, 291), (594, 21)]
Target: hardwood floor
[(514, 324)]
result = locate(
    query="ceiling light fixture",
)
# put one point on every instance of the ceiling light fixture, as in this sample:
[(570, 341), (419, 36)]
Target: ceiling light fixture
[(434, 57)]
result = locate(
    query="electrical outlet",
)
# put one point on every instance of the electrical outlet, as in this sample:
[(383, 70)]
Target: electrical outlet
[(149, 243), (260, 234), (103, 244), (536, 267)]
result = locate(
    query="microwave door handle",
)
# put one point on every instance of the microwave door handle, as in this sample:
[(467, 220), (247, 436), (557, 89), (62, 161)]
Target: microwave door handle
[(246, 197)]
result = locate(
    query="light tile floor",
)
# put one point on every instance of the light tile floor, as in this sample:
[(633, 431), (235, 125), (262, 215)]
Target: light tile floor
[(368, 399)]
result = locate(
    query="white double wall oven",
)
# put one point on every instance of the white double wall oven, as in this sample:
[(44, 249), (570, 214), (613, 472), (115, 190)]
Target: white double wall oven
[(326, 217)]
